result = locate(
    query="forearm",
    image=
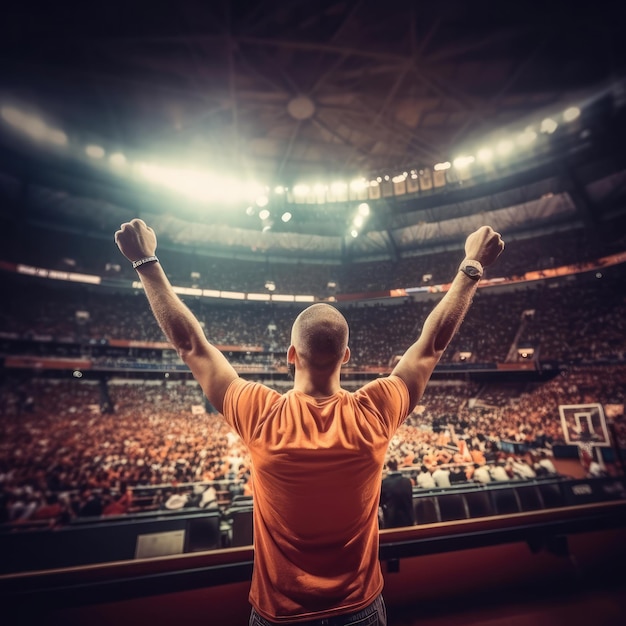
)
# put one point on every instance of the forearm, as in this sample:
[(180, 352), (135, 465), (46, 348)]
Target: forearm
[(176, 321), (418, 362), (445, 319)]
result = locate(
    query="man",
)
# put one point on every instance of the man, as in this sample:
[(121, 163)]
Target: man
[(425, 479), (396, 498), (441, 475), (317, 451)]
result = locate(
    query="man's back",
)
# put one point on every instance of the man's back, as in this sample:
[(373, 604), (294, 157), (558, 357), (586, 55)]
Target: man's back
[(317, 466)]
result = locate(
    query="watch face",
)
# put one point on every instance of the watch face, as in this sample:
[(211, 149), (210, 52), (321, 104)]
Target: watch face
[(470, 270)]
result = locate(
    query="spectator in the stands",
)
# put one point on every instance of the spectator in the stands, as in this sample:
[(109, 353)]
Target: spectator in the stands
[(396, 497), (424, 479)]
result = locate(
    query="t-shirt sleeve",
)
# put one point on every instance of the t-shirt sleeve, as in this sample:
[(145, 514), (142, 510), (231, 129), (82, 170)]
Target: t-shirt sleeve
[(246, 404), (390, 396)]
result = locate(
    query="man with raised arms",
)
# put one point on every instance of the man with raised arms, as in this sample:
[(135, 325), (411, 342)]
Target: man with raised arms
[(318, 450)]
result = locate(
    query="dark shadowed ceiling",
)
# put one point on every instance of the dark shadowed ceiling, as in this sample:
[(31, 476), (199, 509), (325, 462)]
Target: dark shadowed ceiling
[(290, 90), (292, 87)]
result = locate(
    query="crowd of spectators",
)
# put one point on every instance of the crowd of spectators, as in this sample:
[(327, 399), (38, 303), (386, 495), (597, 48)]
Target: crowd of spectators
[(581, 320), (62, 457), (196, 267)]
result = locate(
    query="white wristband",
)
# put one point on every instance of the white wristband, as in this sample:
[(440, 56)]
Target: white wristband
[(148, 259)]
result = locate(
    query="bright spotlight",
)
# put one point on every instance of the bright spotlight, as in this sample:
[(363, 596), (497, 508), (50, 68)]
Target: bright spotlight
[(548, 126), (262, 200), (463, 162), (94, 152), (56, 136), (364, 209), (358, 184), (279, 191), (442, 166), (484, 155), (264, 214), (338, 187), (527, 137), (301, 190), (570, 114), (117, 159), (358, 221), (250, 211), (504, 147), (354, 233), (13, 116), (286, 216), (33, 126)]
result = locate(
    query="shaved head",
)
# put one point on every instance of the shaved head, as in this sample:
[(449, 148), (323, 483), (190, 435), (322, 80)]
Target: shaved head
[(320, 336)]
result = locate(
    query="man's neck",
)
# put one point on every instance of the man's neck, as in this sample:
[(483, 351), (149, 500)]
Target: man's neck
[(317, 386)]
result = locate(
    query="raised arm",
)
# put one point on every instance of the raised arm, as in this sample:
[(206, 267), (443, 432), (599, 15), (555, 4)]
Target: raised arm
[(209, 366), (415, 367)]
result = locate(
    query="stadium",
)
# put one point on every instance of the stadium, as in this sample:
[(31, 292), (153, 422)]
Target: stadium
[(288, 154)]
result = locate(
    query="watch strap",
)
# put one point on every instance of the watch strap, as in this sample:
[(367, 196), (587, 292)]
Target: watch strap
[(472, 269)]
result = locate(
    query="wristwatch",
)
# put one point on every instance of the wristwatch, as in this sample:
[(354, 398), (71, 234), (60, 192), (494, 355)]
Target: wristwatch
[(472, 269)]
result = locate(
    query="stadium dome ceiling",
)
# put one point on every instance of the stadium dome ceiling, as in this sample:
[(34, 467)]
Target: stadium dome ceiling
[(300, 90)]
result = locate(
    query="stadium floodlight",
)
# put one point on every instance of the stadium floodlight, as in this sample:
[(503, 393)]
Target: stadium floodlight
[(264, 214), (262, 200), (56, 136), (117, 159), (29, 124), (13, 116), (33, 126), (570, 114), (338, 187), (279, 190), (527, 137), (200, 185), (505, 147), (439, 167), (358, 221), (548, 126), (463, 161), (364, 209), (93, 151), (358, 184), (485, 155), (286, 216), (354, 233), (301, 190)]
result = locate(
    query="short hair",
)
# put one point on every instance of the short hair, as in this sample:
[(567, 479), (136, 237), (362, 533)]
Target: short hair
[(320, 335), (392, 465)]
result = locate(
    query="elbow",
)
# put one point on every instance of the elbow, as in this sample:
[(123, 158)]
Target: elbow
[(184, 349)]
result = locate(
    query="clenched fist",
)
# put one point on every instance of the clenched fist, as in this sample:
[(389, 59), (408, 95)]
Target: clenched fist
[(136, 240), (484, 245)]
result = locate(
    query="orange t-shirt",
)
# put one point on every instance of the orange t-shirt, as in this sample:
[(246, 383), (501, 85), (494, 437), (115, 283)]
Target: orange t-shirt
[(317, 469)]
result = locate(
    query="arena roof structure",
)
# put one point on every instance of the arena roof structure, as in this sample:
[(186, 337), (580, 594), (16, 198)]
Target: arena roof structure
[(330, 130)]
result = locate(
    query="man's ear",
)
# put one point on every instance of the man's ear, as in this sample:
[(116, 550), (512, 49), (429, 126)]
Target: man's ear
[(346, 356), (291, 354)]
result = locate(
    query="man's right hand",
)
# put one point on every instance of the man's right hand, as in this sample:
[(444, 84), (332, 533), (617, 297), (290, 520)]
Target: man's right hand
[(484, 245), (136, 240)]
